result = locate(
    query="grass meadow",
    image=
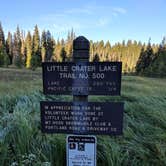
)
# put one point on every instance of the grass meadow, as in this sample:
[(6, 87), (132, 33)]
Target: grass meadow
[(143, 142)]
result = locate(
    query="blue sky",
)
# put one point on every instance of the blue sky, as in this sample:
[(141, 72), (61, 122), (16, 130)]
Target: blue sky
[(113, 20)]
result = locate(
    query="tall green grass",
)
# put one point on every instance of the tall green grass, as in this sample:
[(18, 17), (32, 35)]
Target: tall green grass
[(144, 134)]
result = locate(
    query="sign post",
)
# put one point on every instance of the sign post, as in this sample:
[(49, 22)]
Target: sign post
[(81, 118), (80, 56)]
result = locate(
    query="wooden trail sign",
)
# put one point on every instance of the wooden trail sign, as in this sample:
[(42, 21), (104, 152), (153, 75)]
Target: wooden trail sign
[(82, 78), (82, 117)]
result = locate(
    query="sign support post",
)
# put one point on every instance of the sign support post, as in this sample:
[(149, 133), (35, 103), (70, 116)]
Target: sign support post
[(84, 146), (81, 55)]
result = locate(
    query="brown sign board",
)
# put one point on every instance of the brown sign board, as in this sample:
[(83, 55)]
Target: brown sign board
[(82, 117), (82, 78)]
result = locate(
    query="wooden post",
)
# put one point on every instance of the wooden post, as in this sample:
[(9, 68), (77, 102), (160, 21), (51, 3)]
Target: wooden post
[(81, 56)]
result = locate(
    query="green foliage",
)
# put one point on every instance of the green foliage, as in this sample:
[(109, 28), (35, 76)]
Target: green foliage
[(17, 61), (2, 37), (43, 46), (28, 50), (3, 55), (68, 44), (127, 53), (4, 58), (22, 143), (9, 47), (36, 48), (1, 59), (140, 63), (34, 61), (142, 59), (152, 64), (145, 60), (158, 67), (57, 52), (36, 40), (49, 46), (17, 48), (63, 54), (96, 58)]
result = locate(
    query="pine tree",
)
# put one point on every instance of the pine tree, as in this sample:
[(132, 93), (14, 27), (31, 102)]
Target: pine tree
[(16, 56), (140, 63), (63, 54), (28, 50), (43, 46), (4, 58), (34, 61), (100, 50), (107, 50), (145, 60), (69, 44), (57, 51), (17, 48), (2, 37), (158, 65), (18, 38), (36, 40), (92, 51), (36, 47), (96, 58), (1, 57), (149, 55), (9, 47), (49, 46), (23, 48)]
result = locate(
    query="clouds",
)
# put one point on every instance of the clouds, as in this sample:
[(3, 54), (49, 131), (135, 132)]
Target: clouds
[(79, 11), (119, 10), (82, 18), (103, 22), (64, 28), (113, 20)]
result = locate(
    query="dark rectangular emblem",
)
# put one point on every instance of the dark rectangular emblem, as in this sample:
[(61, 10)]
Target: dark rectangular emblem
[(82, 117), (82, 78)]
